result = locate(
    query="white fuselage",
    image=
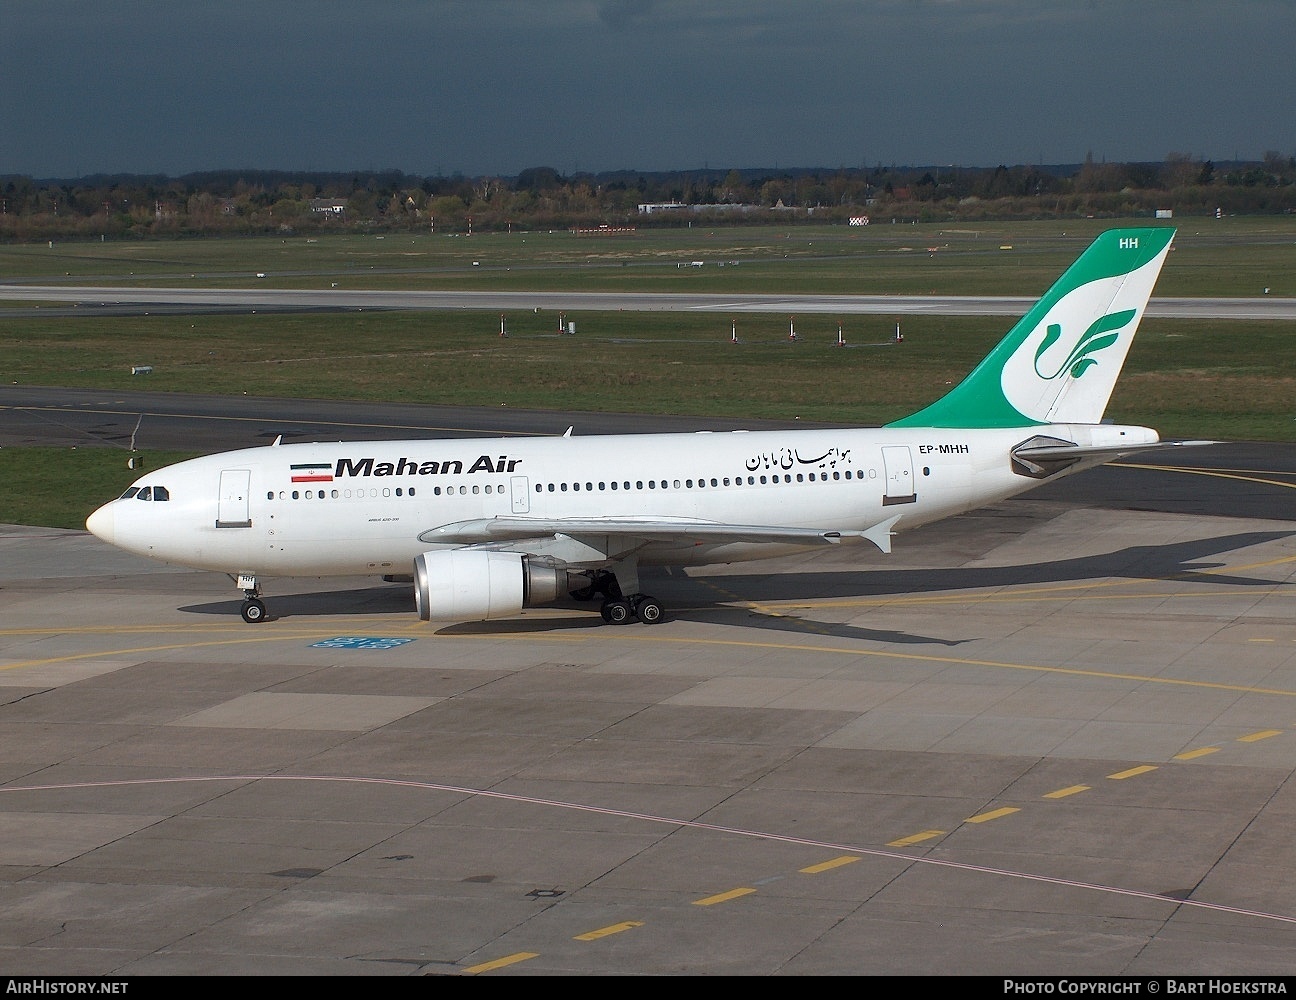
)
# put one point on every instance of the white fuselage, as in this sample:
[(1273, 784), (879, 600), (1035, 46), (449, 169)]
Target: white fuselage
[(359, 508)]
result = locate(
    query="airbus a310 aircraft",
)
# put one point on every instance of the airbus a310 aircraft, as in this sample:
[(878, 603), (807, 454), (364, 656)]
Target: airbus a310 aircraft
[(491, 527)]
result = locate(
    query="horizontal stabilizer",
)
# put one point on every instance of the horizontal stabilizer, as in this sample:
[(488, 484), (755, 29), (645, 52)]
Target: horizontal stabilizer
[(1043, 456), (1067, 451)]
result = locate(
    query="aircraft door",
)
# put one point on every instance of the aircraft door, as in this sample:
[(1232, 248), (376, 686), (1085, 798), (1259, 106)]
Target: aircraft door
[(897, 465), (234, 507), (521, 494)]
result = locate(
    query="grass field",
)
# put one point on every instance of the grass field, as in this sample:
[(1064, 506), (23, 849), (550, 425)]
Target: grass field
[(1231, 381)]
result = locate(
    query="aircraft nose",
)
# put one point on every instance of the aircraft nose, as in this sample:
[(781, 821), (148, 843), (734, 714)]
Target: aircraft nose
[(101, 523)]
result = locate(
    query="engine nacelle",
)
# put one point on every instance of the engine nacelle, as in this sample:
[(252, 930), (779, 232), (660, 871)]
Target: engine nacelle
[(476, 585)]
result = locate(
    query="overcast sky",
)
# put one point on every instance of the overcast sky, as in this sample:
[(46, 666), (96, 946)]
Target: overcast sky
[(437, 87)]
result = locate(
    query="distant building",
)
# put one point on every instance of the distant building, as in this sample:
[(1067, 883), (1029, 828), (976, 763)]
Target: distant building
[(676, 206)]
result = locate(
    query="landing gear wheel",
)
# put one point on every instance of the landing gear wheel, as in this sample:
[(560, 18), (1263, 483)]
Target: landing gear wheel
[(583, 593), (253, 611), (615, 612), (648, 610)]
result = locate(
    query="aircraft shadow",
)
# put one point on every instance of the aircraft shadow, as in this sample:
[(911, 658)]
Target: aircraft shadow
[(1190, 560), (695, 598)]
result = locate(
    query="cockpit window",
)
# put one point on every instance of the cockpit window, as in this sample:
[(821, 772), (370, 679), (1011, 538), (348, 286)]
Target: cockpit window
[(147, 493)]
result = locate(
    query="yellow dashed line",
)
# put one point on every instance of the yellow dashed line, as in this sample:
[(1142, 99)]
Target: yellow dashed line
[(1132, 772), (845, 859), (1194, 754), (723, 897), (917, 838), (1062, 793), (992, 814), (1264, 734), (500, 963), (608, 931)]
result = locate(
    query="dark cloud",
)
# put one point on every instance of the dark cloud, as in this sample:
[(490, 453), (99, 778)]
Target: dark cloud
[(619, 13), (497, 86)]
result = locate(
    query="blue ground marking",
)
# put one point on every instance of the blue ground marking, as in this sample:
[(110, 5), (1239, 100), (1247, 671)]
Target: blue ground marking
[(360, 642)]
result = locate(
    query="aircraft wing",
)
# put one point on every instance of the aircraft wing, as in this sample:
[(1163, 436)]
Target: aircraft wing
[(682, 531)]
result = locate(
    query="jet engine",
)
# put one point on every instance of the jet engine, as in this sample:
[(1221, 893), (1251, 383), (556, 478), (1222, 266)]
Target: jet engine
[(476, 585)]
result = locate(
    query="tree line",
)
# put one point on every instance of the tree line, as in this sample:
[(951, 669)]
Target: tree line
[(260, 202)]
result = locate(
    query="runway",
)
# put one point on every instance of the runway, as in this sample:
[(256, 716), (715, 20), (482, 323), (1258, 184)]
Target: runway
[(119, 300), (1052, 737)]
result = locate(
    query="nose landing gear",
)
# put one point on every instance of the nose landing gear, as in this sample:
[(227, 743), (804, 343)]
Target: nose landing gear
[(253, 610)]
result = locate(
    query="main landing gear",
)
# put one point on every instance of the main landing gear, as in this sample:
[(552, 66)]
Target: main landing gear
[(618, 609)]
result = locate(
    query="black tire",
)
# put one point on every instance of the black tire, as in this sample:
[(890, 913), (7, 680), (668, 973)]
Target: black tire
[(616, 612), (648, 610), (583, 593), (253, 611)]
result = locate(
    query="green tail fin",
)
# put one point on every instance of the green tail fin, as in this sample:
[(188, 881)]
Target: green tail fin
[(1060, 362)]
